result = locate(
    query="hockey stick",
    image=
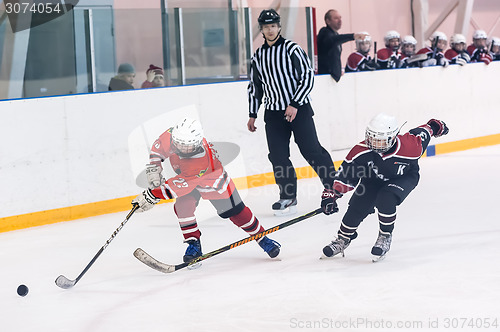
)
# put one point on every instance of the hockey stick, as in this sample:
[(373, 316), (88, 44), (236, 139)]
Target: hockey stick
[(147, 259), (65, 283), (434, 47)]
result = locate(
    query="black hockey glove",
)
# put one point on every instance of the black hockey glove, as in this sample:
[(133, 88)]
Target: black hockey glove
[(439, 128), (329, 201), (372, 65)]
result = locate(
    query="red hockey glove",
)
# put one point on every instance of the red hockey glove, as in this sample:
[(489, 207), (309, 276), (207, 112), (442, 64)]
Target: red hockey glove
[(328, 201), (486, 58), (439, 128)]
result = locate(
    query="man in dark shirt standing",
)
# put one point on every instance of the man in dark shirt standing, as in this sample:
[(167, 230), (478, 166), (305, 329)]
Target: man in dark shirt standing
[(330, 45)]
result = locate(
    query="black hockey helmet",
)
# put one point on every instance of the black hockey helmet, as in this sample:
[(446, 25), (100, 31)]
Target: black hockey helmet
[(268, 16)]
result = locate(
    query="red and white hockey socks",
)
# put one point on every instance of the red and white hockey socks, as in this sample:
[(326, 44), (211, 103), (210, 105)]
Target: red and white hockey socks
[(247, 222)]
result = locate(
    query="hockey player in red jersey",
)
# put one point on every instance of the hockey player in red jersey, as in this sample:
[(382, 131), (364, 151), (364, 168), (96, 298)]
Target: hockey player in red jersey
[(435, 55), (383, 170), (477, 50), (457, 54), (200, 174), (409, 58), (361, 59), (389, 56)]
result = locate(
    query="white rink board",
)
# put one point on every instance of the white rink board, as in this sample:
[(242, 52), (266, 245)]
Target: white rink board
[(64, 151)]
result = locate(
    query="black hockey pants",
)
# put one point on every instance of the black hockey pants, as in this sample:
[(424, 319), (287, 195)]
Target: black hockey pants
[(384, 195), (278, 133)]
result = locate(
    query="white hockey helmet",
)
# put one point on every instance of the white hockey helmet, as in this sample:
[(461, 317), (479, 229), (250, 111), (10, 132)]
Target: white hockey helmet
[(381, 132), (439, 35), (494, 41), (479, 34), (359, 42), (457, 38), (187, 136), (409, 40), (391, 34), (408, 45)]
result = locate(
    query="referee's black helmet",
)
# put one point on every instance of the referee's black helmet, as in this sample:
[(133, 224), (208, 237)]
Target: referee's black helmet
[(268, 16)]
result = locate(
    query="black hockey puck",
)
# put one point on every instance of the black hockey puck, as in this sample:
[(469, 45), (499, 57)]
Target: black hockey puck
[(22, 290)]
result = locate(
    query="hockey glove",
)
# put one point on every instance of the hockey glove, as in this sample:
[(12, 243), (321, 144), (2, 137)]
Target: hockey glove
[(439, 128), (329, 201), (430, 62), (461, 61), (465, 56), (486, 58), (372, 65), (154, 176), (145, 201), (443, 62)]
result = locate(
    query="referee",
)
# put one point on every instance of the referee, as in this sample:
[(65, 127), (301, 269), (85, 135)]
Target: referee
[(281, 74)]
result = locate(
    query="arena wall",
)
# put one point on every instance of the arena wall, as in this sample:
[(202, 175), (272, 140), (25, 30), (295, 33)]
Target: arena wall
[(77, 156)]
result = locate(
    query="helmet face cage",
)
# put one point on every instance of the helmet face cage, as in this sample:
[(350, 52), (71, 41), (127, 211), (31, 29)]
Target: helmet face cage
[(364, 45), (379, 141), (479, 39), (409, 45), (440, 40), (381, 132), (458, 42), (185, 148), (392, 35), (187, 137), (408, 49)]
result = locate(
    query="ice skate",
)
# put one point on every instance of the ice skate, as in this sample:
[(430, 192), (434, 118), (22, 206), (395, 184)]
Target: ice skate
[(285, 207), (336, 247), (193, 251), (381, 247), (271, 247)]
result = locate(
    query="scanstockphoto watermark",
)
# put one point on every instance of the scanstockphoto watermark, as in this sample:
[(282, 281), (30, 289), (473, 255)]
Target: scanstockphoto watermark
[(451, 323), (355, 323)]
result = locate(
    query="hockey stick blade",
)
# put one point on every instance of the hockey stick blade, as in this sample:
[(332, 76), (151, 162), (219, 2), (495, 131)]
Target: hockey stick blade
[(153, 263), (65, 283)]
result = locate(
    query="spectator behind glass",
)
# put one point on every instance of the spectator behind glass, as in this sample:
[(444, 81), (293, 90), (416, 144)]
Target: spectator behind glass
[(124, 79), (154, 78), (330, 45)]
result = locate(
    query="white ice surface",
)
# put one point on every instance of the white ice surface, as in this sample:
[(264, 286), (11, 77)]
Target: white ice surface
[(444, 263)]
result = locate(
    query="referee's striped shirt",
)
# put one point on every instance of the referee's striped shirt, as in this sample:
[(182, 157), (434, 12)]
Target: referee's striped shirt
[(280, 75)]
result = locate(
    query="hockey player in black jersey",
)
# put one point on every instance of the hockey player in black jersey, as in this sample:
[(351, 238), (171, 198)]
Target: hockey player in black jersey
[(383, 170)]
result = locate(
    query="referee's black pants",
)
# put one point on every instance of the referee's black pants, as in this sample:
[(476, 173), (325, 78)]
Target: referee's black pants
[(278, 133)]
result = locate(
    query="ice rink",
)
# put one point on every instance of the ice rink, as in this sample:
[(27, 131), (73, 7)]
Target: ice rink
[(442, 273)]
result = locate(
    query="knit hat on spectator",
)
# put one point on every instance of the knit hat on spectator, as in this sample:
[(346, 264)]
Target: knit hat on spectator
[(157, 70), (126, 68)]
